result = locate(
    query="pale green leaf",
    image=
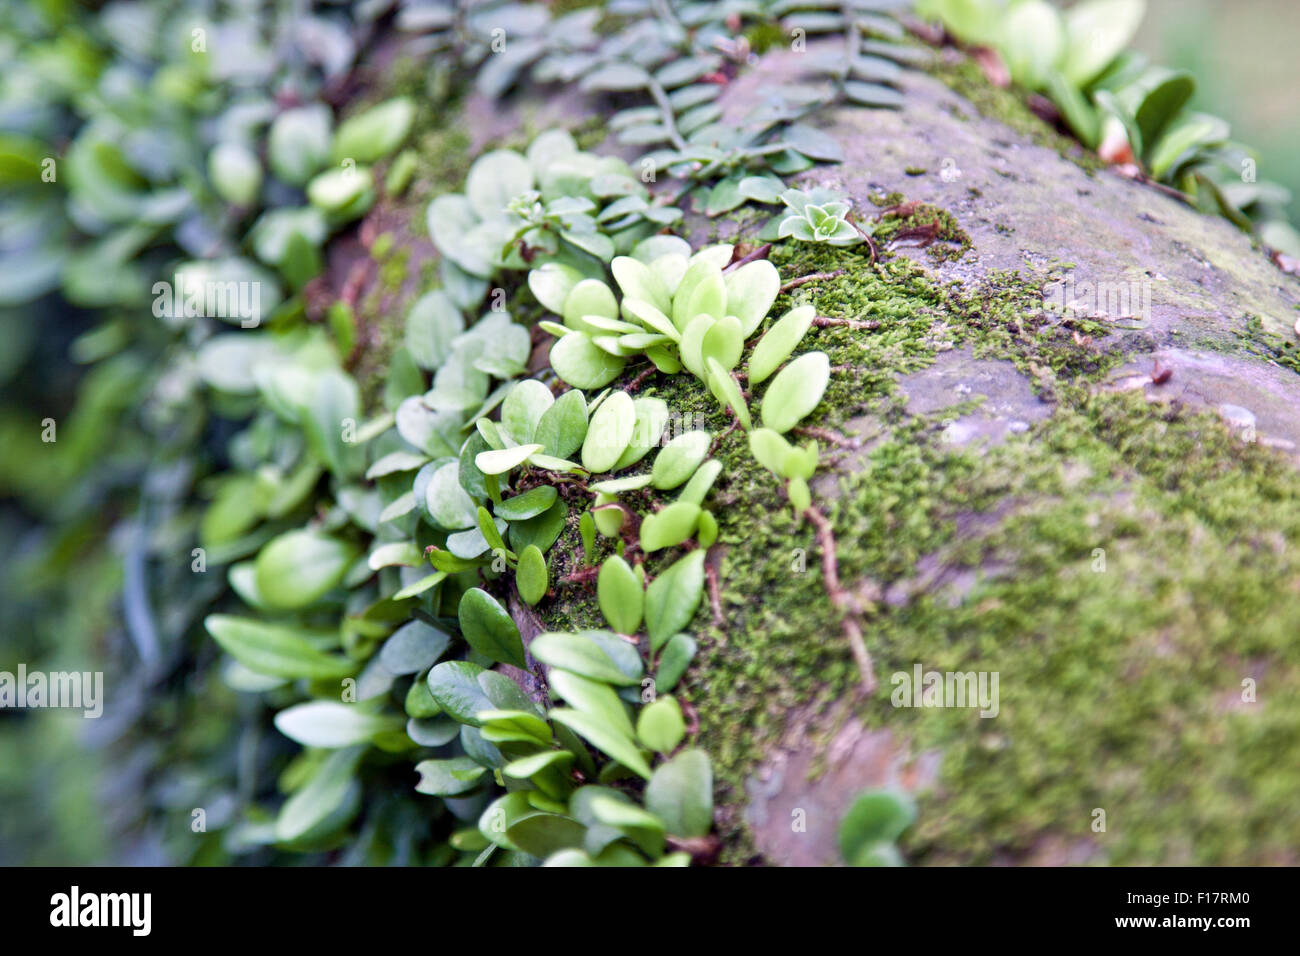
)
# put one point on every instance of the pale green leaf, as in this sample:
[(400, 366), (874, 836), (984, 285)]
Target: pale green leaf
[(796, 391), (620, 595), (609, 432), (779, 342)]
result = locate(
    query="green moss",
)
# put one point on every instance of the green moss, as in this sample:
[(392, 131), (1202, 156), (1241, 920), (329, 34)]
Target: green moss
[(381, 247), (1258, 342), (444, 163), (951, 242), (392, 274), (561, 7), (1003, 317), (1120, 689), (760, 663), (764, 36), (590, 133)]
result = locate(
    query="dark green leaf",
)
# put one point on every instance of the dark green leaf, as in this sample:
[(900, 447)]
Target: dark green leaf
[(541, 834), (674, 661), (413, 647), (489, 629), (671, 599), (527, 505), (563, 425)]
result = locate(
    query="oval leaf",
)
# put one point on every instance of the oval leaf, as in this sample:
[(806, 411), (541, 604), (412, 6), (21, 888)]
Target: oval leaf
[(681, 794), (671, 599), (297, 568), (660, 725), (531, 577), (276, 650), (582, 364), (751, 290), (779, 342), (563, 425), (620, 594), (598, 655), (669, 527), (489, 629), (796, 391), (609, 432), (677, 460), (330, 724)]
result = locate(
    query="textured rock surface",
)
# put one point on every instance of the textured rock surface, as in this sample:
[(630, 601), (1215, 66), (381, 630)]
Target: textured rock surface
[(1022, 205)]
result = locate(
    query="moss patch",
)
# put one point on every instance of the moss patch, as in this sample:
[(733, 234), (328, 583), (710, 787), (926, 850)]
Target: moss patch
[(948, 241), (1121, 689), (1275, 348), (764, 36)]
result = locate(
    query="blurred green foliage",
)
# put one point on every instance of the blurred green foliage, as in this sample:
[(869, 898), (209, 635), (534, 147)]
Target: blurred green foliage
[(1242, 55)]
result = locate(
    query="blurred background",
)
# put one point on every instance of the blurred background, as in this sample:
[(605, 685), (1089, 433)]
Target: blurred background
[(1244, 56)]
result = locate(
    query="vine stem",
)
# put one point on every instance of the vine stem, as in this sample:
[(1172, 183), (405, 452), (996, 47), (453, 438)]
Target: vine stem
[(823, 434), (583, 575), (840, 598), (640, 379), (825, 321), (811, 277), (666, 111), (715, 598)]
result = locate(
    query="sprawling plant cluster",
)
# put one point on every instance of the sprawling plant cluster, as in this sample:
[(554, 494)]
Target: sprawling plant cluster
[(144, 144), (464, 489), (485, 518), (1114, 100), (555, 204)]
